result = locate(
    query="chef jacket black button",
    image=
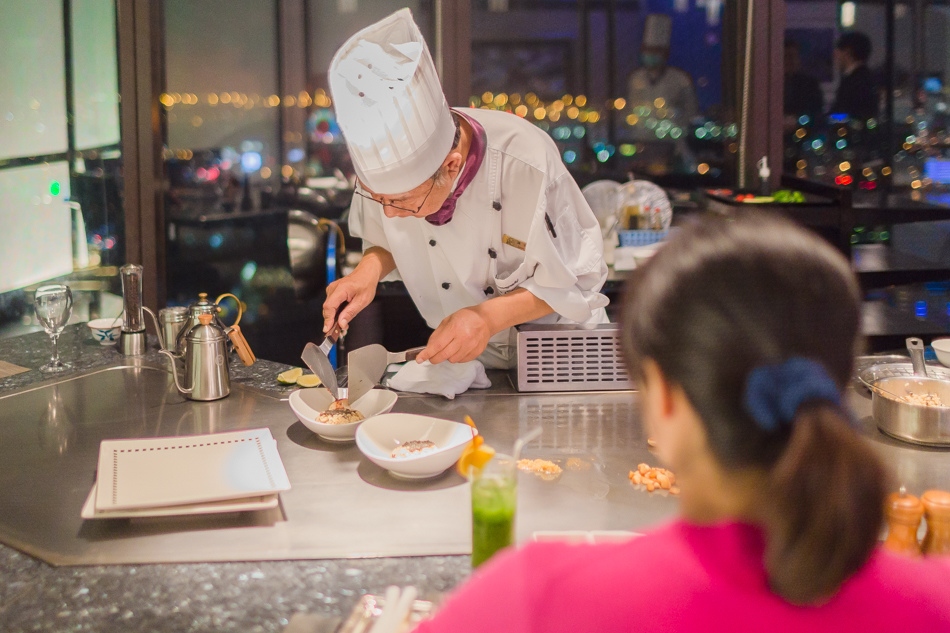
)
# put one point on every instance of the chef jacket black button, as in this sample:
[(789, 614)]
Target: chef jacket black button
[(446, 285), (431, 242), (489, 290), (492, 253), (496, 205)]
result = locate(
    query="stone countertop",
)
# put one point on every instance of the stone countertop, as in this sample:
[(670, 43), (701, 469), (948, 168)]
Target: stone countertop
[(241, 596), (245, 597), (77, 348)]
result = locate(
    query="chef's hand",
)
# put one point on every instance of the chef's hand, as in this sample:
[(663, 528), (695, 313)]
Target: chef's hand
[(358, 289), (461, 337)]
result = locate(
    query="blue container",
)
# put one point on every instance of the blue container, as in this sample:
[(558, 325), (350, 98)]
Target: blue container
[(641, 237)]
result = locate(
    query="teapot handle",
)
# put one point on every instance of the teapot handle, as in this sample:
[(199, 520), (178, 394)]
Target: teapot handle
[(241, 346), (240, 306)]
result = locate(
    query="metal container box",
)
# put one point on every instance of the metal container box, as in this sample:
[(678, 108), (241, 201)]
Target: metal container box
[(570, 358)]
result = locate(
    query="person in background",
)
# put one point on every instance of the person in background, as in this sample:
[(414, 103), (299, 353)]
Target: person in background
[(741, 335), (802, 90), (473, 209), (656, 84), (668, 94), (857, 95)]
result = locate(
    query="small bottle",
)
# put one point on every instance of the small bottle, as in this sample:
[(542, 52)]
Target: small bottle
[(937, 511), (903, 513)]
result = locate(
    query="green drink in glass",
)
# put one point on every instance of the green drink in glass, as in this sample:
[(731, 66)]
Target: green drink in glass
[(494, 498)]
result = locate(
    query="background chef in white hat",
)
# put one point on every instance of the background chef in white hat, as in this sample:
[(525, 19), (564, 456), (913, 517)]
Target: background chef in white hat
[(472, 209), (655, 79)]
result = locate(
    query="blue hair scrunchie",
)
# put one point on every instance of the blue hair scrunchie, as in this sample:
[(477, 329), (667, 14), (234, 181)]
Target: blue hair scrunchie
[(773, 393)]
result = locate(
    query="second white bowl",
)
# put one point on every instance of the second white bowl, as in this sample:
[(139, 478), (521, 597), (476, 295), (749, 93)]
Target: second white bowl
[(377, 438), (307, 404), (942, 348)]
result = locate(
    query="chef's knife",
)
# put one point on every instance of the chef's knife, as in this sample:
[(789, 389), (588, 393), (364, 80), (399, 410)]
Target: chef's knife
[(318, 361), (366, 365)]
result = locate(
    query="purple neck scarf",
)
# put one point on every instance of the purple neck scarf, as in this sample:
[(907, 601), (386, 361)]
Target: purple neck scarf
[(474, 160)]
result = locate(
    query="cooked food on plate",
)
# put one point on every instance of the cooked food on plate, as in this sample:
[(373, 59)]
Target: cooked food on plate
[(414, 448), (340, 416), (340, 404)]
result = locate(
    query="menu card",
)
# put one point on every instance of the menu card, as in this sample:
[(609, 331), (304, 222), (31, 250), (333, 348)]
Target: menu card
[(193, 469)]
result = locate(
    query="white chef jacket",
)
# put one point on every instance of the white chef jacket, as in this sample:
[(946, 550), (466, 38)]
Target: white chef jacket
[(674, 86), (465, 261)]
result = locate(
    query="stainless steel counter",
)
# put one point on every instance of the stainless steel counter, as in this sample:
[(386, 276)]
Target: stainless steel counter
[(340, 506)]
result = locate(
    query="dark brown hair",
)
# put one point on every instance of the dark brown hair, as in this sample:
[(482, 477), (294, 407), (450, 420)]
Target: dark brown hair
[(724, 297)]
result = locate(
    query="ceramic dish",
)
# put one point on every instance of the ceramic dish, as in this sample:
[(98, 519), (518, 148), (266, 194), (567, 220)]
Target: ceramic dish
[(250, 504), (307, 404), (576, 537), (378, 437), (942, 349), (105, 331)]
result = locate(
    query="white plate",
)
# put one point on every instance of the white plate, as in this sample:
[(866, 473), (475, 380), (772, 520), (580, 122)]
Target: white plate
[(264, 502), (605, 198), (577, 537), (307, 404), (166, 471), (378, 437)]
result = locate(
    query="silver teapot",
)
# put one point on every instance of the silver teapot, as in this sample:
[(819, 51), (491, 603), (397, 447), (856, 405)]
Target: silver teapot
[(195, 310), (205, 356)]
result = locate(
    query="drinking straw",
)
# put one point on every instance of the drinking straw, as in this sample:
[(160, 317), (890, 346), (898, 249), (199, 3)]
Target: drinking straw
[(531, 435)]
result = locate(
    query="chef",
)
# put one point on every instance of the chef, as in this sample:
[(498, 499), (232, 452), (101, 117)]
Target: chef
[(472, 209), (655, 83)]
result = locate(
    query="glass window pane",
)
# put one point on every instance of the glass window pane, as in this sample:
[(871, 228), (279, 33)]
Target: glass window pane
[(221, 96), (66, 219), (95, 74), (621, 87), (34, 206), (32, 88)]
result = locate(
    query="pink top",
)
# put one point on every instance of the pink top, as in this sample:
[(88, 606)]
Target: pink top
[(685, 578)]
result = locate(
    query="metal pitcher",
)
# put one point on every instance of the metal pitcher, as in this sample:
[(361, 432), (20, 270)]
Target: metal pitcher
[(195, 310), (206, 373)]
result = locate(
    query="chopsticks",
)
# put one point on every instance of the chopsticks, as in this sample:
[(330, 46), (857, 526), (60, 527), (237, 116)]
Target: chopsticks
[(396, 610)]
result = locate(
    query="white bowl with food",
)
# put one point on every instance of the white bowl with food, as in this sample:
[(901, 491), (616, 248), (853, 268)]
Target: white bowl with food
[(334, 420), (412, 446), (942, 349)]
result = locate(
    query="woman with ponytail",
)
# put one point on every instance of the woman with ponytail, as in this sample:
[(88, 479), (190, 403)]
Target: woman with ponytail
[(740, 335)]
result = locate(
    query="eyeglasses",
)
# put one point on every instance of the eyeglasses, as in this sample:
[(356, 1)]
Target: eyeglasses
[(394, 206)]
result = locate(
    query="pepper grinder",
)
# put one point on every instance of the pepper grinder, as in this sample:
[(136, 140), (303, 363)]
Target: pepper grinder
[(937, 511), (132, 340), (903, 513)]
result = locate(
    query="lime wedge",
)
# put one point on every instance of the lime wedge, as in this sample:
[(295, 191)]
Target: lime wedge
[(290, 376), (308, 380)]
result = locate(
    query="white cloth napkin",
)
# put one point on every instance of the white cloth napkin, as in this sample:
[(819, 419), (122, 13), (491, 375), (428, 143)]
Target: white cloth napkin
[(445, 379)]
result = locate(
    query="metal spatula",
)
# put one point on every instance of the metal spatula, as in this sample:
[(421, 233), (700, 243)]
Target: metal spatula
[(367, 365), (318, 361)]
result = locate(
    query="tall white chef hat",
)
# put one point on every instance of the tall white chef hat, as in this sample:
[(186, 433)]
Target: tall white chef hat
[(657, 31), (390, 106)]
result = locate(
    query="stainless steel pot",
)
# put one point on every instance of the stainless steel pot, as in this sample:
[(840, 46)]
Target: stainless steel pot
[(906, 421)]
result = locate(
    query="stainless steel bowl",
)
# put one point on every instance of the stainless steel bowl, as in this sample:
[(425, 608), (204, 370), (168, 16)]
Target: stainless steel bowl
[(914, 423)]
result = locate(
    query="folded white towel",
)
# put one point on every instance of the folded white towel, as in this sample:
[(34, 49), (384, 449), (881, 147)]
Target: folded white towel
[(445, 379)]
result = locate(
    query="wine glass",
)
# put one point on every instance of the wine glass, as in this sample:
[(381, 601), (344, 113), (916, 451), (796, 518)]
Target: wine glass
[(53, 305)]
